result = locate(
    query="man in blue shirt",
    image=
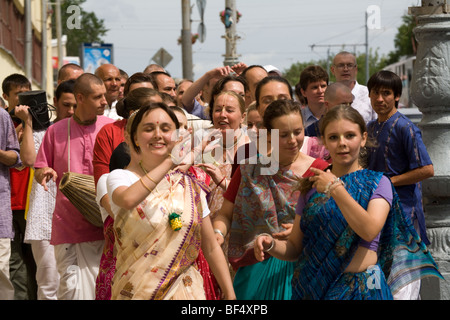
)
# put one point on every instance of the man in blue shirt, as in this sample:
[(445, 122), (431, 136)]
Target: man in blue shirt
[(400, 152)]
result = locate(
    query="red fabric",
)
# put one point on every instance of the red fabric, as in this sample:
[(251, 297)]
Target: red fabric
[(19, 184), (108, 138), (19, 187)]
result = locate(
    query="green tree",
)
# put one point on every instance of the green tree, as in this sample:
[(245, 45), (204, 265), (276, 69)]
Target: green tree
[(92, 29), (292, 74), (404, 41)]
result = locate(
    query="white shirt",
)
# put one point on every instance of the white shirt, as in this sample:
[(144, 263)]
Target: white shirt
[(111, 112), (361, 102)]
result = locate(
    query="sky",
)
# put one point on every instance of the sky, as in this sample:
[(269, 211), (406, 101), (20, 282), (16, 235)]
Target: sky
[(278, 33)]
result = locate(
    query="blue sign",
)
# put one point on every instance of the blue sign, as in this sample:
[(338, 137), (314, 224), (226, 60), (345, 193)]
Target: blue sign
[(94, 55)]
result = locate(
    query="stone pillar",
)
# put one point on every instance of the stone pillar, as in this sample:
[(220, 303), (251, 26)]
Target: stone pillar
[(430, 89)]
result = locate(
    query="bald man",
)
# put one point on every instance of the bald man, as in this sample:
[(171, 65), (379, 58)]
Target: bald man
[(112, 80), (78, 244), (69, 71), (336, 93)]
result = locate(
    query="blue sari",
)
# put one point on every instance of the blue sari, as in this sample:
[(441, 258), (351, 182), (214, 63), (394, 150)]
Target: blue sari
[(329, 245), (262, 204)]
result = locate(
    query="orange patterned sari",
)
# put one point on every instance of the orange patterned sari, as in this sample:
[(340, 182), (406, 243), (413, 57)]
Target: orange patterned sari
[(154, 261)]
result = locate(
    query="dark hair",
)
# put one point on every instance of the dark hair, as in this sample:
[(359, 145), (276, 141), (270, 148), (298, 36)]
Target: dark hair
[(13, 81), (386, 79), (83, 84), (268, 79), (244, 73), (137, 77), (136, 119), (312, 74), (64, 87), (134, 100), (154, 75), (220, 84), (279, 108), (167, 98)]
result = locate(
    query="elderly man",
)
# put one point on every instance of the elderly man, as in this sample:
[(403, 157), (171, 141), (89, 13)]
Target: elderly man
[(345, 69), (111, 77), (78, 243)]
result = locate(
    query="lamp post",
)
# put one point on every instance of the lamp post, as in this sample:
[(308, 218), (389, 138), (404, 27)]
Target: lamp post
[(430, 90)]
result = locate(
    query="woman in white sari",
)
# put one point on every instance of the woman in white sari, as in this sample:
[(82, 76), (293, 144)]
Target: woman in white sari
[(161, 214)]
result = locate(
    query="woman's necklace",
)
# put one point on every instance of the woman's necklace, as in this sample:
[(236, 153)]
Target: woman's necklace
[(288, 164)]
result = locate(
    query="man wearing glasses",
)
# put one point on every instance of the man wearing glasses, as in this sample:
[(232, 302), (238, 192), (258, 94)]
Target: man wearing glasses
[(345, 69)]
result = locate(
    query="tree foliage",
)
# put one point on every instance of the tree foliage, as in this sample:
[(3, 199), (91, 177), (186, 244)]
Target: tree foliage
[(92, 29), (404, 41)]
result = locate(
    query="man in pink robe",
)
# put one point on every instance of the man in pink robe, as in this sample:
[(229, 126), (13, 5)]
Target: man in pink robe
[(78, 243)]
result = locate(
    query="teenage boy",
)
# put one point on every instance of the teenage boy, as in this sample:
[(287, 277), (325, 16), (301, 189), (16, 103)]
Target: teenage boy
[(313, 83), (400, 153)]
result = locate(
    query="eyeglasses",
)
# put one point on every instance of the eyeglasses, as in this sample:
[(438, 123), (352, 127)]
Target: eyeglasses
[(342, 66)]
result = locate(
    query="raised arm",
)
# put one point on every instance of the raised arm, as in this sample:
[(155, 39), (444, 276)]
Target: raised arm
[(366, 223), (190, 94), (27, 149)]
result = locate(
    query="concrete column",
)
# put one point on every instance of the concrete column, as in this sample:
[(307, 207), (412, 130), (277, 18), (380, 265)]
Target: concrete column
[(430, 89)]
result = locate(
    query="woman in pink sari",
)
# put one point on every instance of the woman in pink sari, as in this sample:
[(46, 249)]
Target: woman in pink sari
[(161, 217)]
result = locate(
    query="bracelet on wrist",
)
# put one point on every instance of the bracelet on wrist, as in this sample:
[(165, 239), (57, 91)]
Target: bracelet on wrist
[(332, 185), (219, 232), (272, 243)]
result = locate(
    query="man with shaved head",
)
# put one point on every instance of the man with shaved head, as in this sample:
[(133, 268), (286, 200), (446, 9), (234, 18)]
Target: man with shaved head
[(78, 243), (336, 93), (69, 71), (111, 77)]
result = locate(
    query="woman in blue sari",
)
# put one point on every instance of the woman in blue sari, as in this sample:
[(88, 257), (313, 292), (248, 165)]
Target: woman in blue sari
[(351, 238)]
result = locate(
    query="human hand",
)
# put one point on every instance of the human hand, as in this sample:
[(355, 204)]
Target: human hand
[(238, 68), (213, 171), (219, 72), (283, 235), (321, 179), (23, 114), (44, 175), (262, 243), (219, 238)]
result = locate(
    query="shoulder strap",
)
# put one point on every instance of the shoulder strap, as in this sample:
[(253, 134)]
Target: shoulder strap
[(68, 144)]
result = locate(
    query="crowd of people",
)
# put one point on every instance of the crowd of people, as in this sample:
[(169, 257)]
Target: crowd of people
[(237, 185)]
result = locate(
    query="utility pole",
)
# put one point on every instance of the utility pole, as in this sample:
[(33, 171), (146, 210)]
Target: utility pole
[(186, 39), (28, 41), (44, 44), (59, 32), (231, 57)]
